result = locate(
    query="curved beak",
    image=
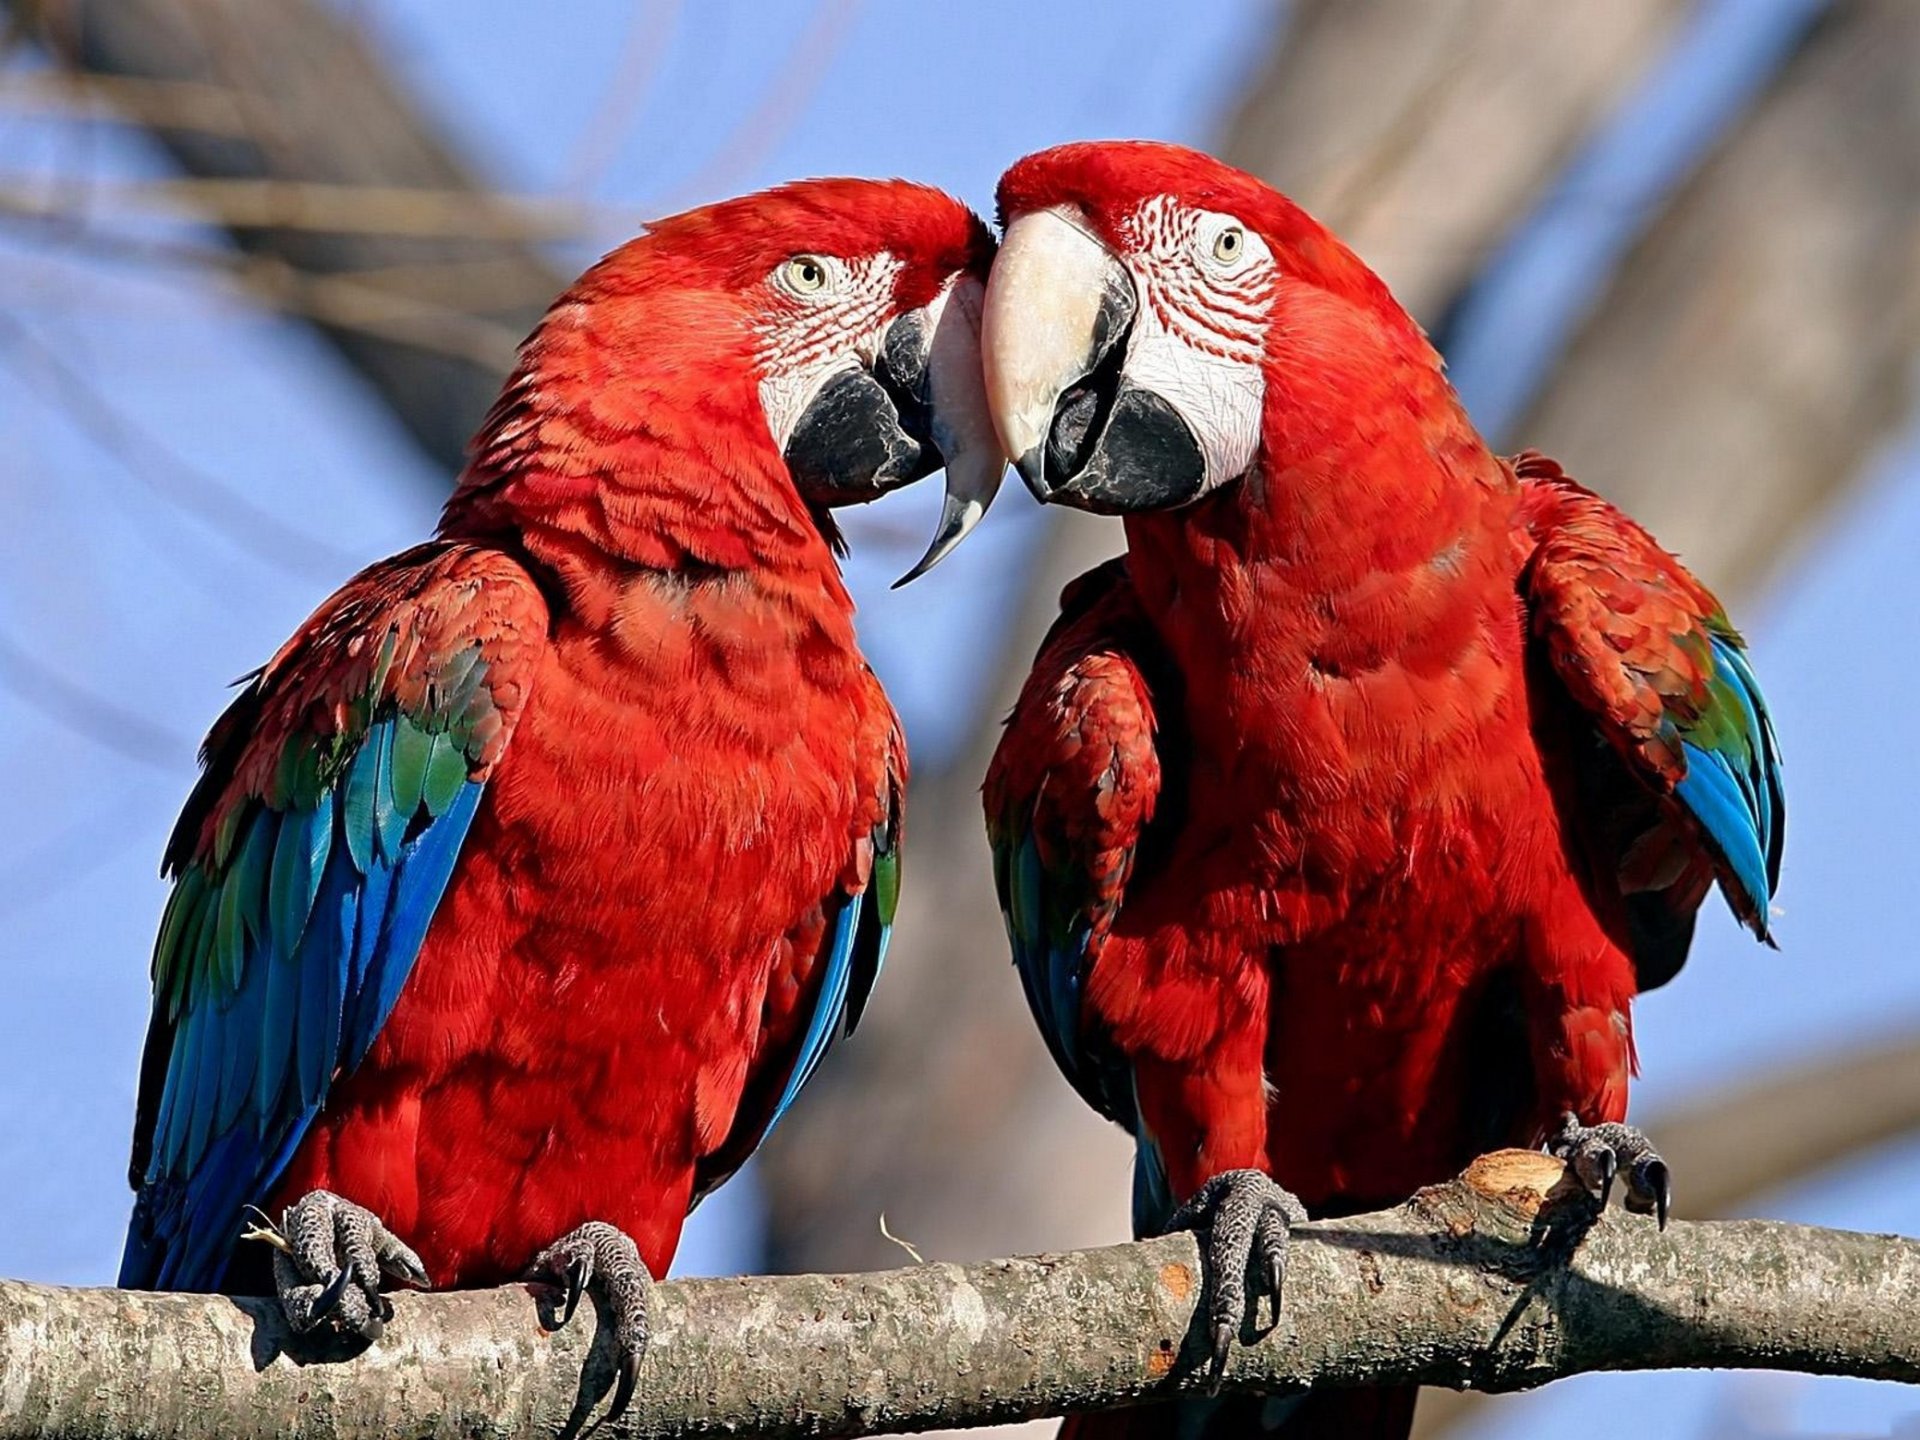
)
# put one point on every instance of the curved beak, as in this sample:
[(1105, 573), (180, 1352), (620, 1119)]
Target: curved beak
[(1059, 322), (961, 424), (916, 404)]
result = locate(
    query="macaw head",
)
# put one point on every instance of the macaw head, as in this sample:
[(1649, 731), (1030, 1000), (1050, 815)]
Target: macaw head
[(1156, 320), (832, 325)]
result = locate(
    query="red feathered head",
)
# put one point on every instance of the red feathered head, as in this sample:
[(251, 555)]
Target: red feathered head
[(830, 326), (1148, 308)]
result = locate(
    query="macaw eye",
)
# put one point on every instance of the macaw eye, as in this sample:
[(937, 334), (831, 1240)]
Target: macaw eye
[(1229, 245), (805, 274)]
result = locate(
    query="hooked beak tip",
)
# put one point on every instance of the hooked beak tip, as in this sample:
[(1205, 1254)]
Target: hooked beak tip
[(958, 516), (1033, 469)]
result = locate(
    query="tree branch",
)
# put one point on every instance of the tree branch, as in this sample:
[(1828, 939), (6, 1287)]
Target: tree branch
[(1470, 1283)]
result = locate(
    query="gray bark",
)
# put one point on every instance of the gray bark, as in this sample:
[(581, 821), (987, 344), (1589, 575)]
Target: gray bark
[(1422, 130), (1477, 1282)]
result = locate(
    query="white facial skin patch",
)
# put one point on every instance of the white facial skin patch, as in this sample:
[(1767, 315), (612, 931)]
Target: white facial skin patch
[(829, 316), (1199, 341)]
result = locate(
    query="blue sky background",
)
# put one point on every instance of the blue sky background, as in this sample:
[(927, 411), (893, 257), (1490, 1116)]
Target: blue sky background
[(244, 473)]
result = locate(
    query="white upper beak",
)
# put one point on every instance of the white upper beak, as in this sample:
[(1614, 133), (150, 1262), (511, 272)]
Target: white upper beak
[(962, 425), (1042, 323)]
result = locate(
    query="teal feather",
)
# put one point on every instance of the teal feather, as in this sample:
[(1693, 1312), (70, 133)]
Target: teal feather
[(357, 806), (275, 1040), (230, 937), (179, 914), (383, 664), (239, 1025), (390, 822), (249, 872), (179, 961), (203, 1061), (886, 882), (287, 893), (412, 747), (457, 684), (446, 773), (198, 956)]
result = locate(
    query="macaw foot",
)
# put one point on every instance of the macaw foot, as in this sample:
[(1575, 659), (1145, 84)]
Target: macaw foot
[(329, 1255), (1597, 1153), (603, 1258), (1241, 1216)]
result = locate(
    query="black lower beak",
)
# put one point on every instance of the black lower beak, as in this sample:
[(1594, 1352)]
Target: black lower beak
[(1142, 457), (860, 438), (1113, 446)]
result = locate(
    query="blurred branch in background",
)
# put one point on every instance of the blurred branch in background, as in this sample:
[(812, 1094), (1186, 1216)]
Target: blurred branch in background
[(381, 211), (1759, 346), (261, 532), (310, 104), (100, 718), (1421, 133)]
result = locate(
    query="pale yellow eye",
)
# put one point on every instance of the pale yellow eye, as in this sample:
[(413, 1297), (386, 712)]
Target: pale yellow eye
[(806, 274), (1229, 245)]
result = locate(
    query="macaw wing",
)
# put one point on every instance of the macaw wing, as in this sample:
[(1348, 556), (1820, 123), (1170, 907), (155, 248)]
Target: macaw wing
[(859, 916), (1069, 795), (335, 796), (1647, 652)]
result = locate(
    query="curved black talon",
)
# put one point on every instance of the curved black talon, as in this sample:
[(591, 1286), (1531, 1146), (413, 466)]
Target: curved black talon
[(604, 1258), (1597, 1153), (579, 1271), (1240, 1214), (328, 1300), (1650, 1187)]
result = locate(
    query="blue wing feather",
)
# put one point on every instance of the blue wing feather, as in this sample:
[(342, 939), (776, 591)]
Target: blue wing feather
[(854, 949), (823, 1025), (343, 906), (417, 883), (1050, 954), (1735, 789)]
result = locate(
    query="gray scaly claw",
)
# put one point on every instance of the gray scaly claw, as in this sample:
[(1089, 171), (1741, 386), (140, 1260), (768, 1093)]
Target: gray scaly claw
[(603, 1258), (329, 1256), (1598, 1153), (1241, 1216)]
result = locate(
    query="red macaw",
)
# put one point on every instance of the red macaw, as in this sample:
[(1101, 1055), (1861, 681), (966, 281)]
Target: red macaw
[(528, 883), (1343, 817)]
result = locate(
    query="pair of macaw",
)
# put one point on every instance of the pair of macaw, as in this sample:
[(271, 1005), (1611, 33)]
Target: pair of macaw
[(1336, 828)]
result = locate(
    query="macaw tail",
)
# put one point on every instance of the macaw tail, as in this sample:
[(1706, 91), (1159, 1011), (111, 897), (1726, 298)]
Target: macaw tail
[(1323, 1415)]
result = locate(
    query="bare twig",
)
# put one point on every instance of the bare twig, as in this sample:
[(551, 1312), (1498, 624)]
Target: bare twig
[(154, 104), (385, 210), (1469, 1284), (321, 110)]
